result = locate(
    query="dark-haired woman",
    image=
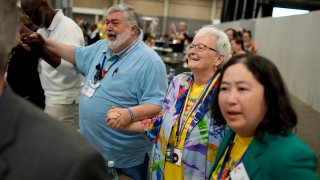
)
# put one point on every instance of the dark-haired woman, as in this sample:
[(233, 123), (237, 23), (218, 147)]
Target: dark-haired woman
[(254, 103)]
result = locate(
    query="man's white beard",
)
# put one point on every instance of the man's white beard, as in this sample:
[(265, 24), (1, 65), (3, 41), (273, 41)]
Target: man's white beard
[(121, 38)]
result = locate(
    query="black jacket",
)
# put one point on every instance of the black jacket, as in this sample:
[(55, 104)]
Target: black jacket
[(33, 146)]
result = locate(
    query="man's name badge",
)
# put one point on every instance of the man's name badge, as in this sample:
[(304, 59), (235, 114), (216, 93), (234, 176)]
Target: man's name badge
[(88, 91), (89, 88), (239, 173)]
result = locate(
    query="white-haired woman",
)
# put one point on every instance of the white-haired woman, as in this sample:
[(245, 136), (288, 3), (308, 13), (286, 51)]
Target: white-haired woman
[(186, 137)]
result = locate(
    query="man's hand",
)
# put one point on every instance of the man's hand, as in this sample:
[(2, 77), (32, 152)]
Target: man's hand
[(32, 40), (118, 118)]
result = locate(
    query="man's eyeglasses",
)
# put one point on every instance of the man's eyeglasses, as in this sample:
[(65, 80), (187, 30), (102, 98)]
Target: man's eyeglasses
[(200, 47)]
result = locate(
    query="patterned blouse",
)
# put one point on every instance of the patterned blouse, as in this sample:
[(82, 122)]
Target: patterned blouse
[(203, 136)]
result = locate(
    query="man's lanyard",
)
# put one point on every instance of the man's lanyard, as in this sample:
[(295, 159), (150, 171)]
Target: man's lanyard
[(184, 118), (102, 72)]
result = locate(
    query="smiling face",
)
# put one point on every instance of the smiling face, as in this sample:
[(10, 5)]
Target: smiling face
[(246, 37), (205, 60), (118, 33), (241, 100)]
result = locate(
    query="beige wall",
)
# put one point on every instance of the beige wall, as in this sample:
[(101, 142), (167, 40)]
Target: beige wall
[(99, 4), (189, 12), (196, 13), (147, 7), (219, 6), (187, 9)]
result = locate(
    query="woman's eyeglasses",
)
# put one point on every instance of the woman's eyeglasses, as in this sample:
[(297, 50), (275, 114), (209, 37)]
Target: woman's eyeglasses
[(200, 47)]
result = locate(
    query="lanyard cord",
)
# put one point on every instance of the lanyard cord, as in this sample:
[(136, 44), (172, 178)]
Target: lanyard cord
[(227, 156), (182, 119), (105, 71)]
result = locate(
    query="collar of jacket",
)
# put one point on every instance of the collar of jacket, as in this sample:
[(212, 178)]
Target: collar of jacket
[(8, 125)]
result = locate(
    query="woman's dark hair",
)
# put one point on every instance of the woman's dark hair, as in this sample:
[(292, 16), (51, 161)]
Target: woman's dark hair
[(234, 32), (280, 116), (249, 33), (239, 41)]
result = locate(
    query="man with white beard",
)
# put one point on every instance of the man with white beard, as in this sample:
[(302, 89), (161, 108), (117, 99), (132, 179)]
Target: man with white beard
[(125, 81)]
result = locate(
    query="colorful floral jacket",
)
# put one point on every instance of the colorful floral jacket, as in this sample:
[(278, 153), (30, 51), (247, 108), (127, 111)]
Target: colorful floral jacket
[(203, 136)]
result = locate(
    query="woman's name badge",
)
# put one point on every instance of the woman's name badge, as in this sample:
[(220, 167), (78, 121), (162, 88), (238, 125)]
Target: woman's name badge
[(177, 155), (239, 173), (173, 155)]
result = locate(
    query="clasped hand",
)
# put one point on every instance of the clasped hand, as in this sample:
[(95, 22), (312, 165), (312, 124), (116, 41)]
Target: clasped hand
[(118, 118), (32, 41)]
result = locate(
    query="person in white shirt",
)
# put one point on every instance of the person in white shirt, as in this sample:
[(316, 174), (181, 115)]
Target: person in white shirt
[(61, 83)]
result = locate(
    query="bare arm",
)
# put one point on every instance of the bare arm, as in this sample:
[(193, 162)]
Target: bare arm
[(59, 49), (50, 58), (145, 111), (50, 50), (135, 126)]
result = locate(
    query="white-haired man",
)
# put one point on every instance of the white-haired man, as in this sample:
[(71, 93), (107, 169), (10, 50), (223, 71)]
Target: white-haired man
[(125, 81)]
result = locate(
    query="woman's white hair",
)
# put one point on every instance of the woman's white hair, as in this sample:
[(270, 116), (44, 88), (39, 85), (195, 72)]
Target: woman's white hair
[(222, 44)]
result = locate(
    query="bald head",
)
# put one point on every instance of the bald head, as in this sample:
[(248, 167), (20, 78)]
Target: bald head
[(8, 30)]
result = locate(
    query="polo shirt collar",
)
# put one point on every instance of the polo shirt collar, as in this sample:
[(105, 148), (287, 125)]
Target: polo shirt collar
[(56, 19)]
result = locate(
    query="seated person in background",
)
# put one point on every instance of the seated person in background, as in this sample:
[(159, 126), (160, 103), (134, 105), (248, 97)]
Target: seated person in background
[(231, 33), (93, 33), (237, 46), (254, 103), (34, 146), (149, 39), (241, 31), (248, 44), (22, 69), (102, 28), (164, 41), (186, 136)]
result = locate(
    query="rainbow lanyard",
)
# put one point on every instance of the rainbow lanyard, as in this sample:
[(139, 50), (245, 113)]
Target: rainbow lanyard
[(226, 159), (183, 118), (102, 72)]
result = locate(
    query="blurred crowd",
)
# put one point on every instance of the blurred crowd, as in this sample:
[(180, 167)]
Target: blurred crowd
[(102, 101)]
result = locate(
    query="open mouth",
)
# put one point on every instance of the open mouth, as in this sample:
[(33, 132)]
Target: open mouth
[(193, 59), (232, 114), (111, 35)]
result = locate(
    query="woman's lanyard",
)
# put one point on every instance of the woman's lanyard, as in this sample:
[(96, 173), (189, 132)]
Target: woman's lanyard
[(226, 158), (184, 118), (102, 72)]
